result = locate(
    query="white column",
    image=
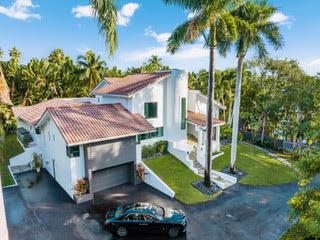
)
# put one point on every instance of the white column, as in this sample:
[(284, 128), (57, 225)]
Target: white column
[(218, 137)]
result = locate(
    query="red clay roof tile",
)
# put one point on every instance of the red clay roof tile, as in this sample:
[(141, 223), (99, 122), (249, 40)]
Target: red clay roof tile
[(91, 122), (200, 119), (131, 83)]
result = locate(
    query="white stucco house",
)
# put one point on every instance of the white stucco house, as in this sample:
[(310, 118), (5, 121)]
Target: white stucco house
[(101, 138)]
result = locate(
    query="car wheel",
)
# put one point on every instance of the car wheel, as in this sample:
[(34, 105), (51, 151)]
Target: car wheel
[(173, 232), (122, 231)]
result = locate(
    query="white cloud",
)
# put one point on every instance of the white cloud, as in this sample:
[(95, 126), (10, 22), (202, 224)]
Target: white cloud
[(124, 14), (20, 9), (82, 11), (315, 62), (195, 51), (312, 67), (160, 38), (280, 18)]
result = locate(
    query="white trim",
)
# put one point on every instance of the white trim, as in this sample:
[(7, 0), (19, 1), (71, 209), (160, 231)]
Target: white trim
[(155, 181), (106, 139), (98, 85), (213, 125)]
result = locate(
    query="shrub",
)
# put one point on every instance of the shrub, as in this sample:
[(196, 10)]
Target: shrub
[(225, 132), (37, 162), (148, 151), (160, 147), (81, 187)]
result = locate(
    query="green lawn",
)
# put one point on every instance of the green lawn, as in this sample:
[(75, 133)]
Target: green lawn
[(261, 169), (8, 149), (178, 177)]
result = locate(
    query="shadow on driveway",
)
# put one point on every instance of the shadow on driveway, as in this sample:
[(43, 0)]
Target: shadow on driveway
[(45, 211)]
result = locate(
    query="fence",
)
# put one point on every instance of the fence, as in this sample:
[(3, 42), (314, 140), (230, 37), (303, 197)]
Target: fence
[(272, 143)]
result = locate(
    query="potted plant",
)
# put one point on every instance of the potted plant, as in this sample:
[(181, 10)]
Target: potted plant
[(37, 162), (140, 172), (82, 191)]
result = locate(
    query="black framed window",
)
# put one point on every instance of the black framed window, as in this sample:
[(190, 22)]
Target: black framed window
[(150, 110), (73, 151), (158, 133), (183, 113)]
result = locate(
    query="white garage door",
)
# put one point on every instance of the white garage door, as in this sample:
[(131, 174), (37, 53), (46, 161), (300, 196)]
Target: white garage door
[(111, 177)]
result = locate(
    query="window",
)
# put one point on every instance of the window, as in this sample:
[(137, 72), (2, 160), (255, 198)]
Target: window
[(38, 131), (149, 218), (73, 151), (183, 112), (158, 133), (150, 110)]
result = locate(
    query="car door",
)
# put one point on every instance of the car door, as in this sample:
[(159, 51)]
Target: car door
[(131, 222), (151, 224)]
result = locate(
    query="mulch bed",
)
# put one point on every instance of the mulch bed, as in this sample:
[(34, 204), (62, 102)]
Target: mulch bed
[(239, 174), (205, 190)]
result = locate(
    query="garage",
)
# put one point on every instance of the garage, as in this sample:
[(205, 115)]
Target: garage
[(112, 163), (111, 177)]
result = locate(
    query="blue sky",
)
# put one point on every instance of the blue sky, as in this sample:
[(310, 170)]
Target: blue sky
[(36, 27)]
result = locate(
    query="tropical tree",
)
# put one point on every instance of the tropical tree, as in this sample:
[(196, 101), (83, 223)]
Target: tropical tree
[(91, 68), (106, 13), (12, 69), (153, 64), (4, 89), (213, 21), (254, 27)]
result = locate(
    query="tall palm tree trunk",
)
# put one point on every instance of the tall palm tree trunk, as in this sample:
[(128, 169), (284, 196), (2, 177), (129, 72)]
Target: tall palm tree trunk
[(212, 62), (236, 113)]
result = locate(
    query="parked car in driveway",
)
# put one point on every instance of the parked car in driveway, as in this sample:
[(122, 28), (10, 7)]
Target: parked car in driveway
[(145, 218)]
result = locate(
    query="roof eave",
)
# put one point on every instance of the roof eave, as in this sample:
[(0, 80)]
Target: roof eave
[(106, 139)]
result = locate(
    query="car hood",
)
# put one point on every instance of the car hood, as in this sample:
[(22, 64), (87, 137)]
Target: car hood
[(174, 215)]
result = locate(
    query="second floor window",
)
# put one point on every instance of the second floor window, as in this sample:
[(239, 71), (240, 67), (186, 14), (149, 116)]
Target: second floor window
[(150, 110)]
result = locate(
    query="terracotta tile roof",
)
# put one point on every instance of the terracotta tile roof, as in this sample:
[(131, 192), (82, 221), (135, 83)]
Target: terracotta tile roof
[(200, 119), (96, 122), (32, 114), (131, 83)]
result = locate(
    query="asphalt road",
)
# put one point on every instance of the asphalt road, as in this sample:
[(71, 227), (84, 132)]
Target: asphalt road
[(44, 211)]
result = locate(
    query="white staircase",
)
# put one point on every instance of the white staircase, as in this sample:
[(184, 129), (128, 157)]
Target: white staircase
[(221, 179)]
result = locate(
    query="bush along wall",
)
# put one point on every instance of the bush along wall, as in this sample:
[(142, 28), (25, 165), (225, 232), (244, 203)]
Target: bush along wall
[(156, 149)]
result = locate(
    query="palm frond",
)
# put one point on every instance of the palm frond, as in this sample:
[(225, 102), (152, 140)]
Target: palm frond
[(188, 32), (106, 12)]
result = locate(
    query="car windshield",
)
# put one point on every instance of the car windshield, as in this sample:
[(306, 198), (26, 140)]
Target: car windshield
[(122, 210), (159, 210)]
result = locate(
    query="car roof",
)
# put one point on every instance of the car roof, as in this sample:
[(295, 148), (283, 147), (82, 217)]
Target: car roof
[(139, 207)]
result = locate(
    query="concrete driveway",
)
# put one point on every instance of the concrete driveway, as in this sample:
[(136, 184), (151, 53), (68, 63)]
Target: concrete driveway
[(44, 211)]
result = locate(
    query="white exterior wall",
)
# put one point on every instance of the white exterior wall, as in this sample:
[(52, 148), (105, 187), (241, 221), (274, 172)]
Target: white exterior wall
[(198, 103), (153, 180), (107, 99), (67, 170), (152, 93), (176, 88)]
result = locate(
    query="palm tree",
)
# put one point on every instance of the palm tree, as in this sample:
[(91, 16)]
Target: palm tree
[(92, 68), (4, 89), (106, 12), (254, 27), (213, 21), (12, 69)]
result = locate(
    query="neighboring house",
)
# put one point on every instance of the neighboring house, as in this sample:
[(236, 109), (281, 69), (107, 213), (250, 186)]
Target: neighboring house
[(101, 138)]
